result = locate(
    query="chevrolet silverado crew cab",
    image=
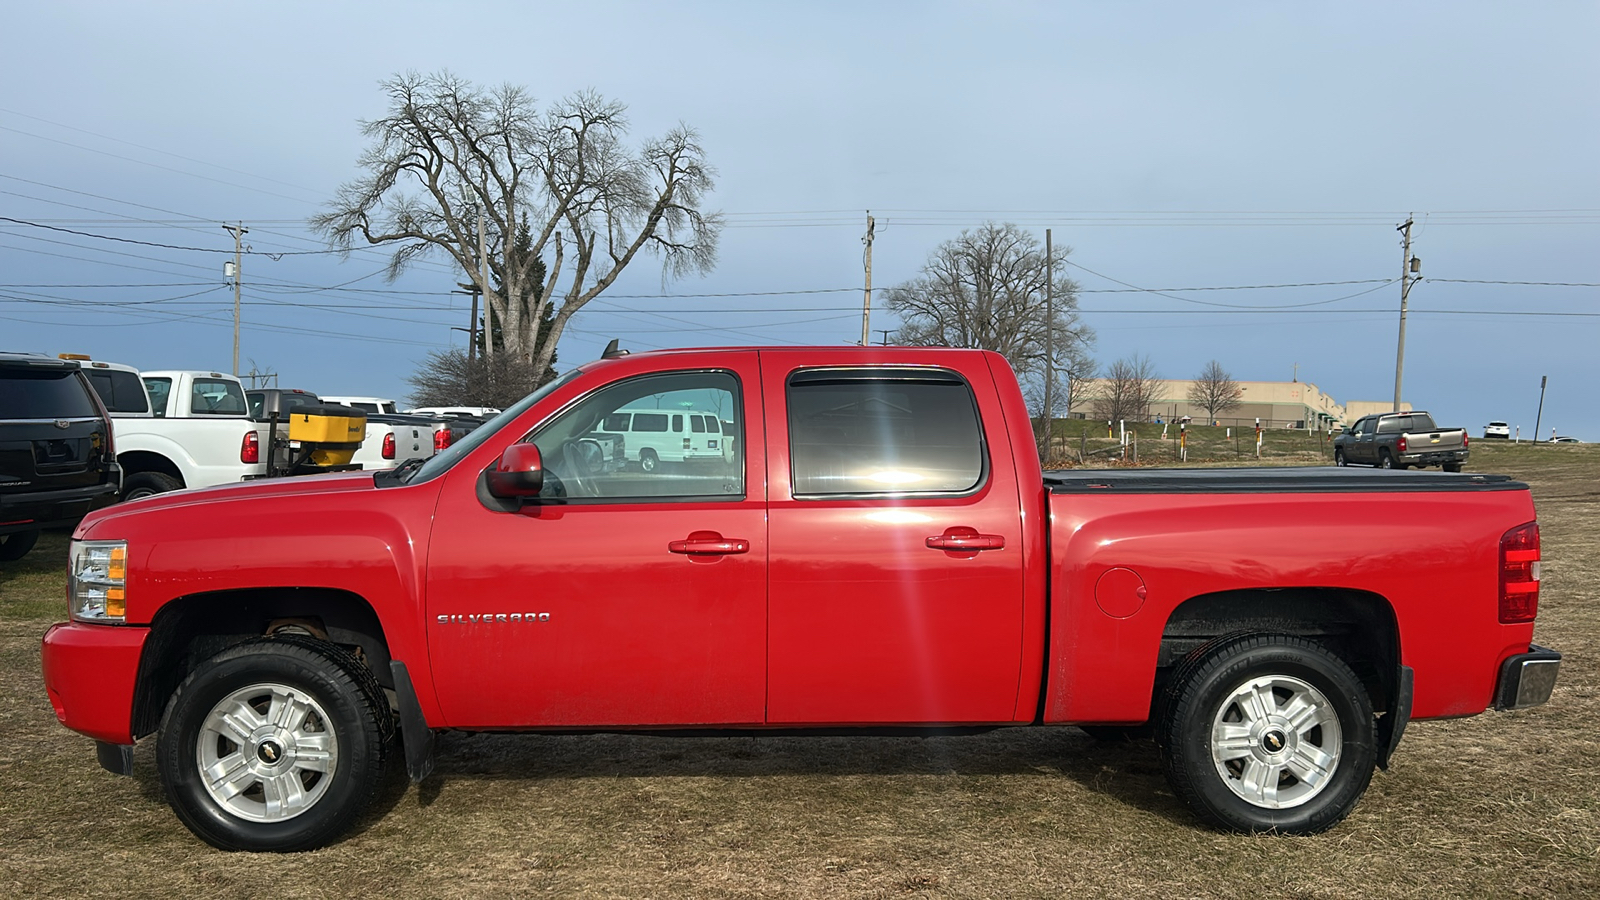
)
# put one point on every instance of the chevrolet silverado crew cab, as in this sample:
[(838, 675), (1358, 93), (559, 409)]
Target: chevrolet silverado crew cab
[(1401, 440), (881, 551)]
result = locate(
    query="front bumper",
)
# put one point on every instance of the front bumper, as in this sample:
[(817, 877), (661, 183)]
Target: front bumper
[(90, 672), (1527, 679)]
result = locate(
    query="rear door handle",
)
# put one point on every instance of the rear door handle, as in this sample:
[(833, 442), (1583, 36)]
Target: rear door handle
[(709, 543), (966, 540)]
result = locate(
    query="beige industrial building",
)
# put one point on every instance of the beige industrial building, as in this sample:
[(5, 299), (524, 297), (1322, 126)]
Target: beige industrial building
[(1278, 404)]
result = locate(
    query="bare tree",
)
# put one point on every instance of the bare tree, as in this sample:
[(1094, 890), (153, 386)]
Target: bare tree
[(1215, 391), (1128, 389), (448, 151), (449, 378), (986, 289)]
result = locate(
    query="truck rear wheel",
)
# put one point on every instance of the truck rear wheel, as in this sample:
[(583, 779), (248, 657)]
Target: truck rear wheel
[(1386, 461), (275, 744), (148, 484), (1269, 733)]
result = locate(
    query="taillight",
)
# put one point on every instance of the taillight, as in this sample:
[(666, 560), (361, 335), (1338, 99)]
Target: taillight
[(1401, 444), (441, 439), (1519, 574), (250, 449), (388, 446), (1465, 441)]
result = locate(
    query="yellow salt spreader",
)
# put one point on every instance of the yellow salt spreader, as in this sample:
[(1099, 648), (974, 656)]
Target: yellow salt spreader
[(320, 437)]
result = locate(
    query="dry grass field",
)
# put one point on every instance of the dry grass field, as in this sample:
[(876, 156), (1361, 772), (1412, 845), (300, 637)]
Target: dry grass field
[(1504, 804)]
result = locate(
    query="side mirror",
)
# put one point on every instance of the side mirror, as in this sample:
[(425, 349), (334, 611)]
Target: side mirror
[(518, 473)]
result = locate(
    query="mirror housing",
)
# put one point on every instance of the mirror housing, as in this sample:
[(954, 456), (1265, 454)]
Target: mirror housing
[(517, 474)]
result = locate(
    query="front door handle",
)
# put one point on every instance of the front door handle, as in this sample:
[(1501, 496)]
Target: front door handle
[(966, 540), (709, 543)]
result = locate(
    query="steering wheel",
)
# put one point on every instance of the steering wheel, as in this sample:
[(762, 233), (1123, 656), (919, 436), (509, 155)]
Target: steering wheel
[(576, 460)]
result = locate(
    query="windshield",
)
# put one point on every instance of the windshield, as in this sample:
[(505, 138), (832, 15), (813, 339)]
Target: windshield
[(446, 460)]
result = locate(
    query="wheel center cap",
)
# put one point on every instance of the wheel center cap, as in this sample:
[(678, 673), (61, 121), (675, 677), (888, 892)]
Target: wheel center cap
[(269, 752), (1274, 741)]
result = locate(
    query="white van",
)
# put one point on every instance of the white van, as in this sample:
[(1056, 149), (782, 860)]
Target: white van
[(654, 436)]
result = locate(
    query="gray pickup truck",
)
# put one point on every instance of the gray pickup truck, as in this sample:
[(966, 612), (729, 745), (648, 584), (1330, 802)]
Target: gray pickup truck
[(1401, 440)]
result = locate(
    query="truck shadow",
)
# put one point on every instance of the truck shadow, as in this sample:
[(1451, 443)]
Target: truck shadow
[(1129, 773)]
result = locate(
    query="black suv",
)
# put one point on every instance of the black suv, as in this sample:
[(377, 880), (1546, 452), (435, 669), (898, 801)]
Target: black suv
[(56, 458)]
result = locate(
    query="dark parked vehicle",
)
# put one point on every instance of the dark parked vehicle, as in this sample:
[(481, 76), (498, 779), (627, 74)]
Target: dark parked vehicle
[(1401, 440), (57, 463)]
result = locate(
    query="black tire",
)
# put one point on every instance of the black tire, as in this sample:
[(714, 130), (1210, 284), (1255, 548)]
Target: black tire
[(1261, 782), (16, 545), (1452, 467), (148, 484), (1386, 461), (337, 718), (1338, 457), (648, 461)]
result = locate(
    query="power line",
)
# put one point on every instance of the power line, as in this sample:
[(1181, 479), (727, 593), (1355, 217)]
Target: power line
[(107, 237)]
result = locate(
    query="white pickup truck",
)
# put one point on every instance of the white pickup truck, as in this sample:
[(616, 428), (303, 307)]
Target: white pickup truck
[(196, 434)]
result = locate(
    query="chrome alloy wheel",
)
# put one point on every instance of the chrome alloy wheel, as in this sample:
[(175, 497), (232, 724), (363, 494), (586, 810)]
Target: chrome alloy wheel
[(1276, 741), (267, 752)]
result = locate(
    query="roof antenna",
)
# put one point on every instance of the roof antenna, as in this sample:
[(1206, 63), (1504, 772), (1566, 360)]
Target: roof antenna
[(611, 350)]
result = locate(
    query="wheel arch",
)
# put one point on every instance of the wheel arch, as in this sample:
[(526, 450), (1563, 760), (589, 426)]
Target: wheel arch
[(134, 462), (190, 629), (1359, 626)]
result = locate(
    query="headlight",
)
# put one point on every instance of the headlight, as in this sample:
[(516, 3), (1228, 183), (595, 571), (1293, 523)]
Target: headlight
[(97, 581)]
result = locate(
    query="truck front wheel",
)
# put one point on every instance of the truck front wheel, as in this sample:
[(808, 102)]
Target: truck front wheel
[(274, 745), (1269, 733)]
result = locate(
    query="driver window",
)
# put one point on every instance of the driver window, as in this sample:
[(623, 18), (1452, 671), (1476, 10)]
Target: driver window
[(620, 443)]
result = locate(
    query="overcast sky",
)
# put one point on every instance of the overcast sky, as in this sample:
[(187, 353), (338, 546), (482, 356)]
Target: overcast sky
[(1170, 145)]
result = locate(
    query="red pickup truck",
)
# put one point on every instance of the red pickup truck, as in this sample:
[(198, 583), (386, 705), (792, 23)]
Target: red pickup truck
[(874, 548)]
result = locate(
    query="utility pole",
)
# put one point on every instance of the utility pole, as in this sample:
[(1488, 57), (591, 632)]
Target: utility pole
[(866, 302), (1409, 265), (1543, 380), (472, 324), (1049, 340), (483, 282), (239, 231), (885, 333)]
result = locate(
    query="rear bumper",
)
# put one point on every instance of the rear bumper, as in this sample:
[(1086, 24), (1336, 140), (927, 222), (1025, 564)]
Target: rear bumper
[(90, 672), (1434, 457), (1527, 679), (51, 509)]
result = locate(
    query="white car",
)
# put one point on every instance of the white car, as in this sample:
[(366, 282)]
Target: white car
[(1498, 430)]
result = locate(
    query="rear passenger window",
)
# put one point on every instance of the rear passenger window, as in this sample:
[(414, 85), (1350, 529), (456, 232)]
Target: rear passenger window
[(159, 388), (697, 425), (883, 431), (121, 392)]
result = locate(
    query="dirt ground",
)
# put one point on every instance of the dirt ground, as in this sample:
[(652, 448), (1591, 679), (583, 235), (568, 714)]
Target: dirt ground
[(1503, 804)]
